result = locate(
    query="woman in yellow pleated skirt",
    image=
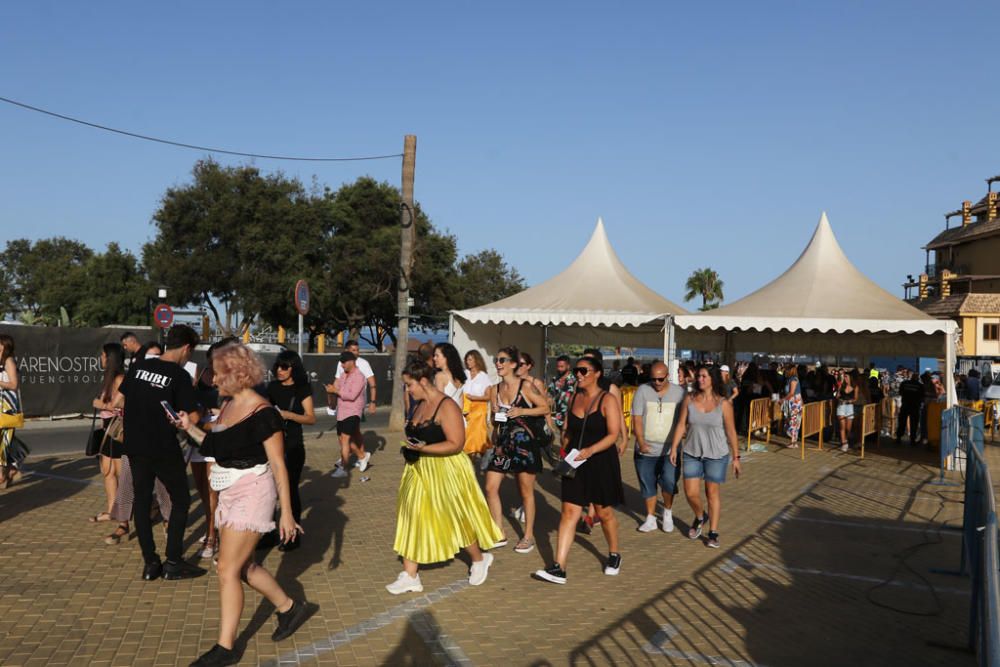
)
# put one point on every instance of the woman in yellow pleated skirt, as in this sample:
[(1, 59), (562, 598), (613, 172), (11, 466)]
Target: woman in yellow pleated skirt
[(477, 405), (441, 509)]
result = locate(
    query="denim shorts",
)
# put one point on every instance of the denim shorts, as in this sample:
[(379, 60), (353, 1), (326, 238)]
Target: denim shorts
[(711, 470), (654, 471), (846, 410)]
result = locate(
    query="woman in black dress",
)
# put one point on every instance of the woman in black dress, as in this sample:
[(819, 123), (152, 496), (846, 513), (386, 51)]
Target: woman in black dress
[(593, 422), (291, 393)]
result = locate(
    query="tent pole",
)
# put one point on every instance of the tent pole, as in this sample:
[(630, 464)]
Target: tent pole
[(670, 347), (950, 394), (451, 328), (545, 353)]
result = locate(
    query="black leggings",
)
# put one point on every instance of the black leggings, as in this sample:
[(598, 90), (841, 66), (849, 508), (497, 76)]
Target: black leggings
[(295, 461)]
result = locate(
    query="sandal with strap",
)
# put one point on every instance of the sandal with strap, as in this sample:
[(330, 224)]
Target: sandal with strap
[(524, 546), (100, 518), (116, 537)]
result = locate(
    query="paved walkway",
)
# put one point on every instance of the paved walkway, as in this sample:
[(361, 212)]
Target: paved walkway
[(823, 562)]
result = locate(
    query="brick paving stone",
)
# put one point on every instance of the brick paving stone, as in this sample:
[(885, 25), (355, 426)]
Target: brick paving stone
[(803, 545)]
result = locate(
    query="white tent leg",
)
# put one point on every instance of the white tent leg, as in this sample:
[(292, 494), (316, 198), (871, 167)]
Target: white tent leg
[(451, 328), (951, 395), (670, 347)]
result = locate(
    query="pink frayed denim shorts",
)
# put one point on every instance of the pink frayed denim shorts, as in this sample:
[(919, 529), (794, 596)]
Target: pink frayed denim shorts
[(248, 505)]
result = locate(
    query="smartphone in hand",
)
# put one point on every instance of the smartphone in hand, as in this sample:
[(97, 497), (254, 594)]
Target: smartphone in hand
[(171, 413), (415, 443)]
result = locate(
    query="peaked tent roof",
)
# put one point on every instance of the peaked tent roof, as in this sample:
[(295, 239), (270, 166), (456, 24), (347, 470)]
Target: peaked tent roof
[(596, 289), (821, 291)]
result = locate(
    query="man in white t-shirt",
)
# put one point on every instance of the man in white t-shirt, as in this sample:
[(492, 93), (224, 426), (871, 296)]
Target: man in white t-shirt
[(655, 409)]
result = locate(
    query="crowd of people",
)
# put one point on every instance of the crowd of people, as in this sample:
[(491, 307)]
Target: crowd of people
[(465, 434)]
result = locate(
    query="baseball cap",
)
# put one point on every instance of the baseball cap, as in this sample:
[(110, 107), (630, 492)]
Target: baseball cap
[(724, 368)]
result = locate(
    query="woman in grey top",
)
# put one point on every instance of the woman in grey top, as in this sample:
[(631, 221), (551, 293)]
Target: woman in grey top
[(707, 420)]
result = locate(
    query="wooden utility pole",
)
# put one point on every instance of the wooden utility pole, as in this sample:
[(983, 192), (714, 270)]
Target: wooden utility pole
[(407, 220)]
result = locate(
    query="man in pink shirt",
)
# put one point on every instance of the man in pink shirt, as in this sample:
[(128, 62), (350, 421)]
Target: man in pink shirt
[(350, 390)]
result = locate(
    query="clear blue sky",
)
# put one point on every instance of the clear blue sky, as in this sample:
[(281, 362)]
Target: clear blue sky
[(709, 135)]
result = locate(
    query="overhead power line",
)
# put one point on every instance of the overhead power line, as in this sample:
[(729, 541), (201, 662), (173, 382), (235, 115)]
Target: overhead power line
[(181, 144)]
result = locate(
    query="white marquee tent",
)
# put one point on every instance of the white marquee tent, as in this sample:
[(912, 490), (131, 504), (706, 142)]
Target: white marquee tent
[(595, 300), (821, 304)]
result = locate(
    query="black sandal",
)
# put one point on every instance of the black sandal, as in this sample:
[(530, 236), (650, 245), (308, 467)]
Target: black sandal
[(116, 537)]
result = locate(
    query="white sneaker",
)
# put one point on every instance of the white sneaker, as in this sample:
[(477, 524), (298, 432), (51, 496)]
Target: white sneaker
[(668, 521), (478, 571), (338, 473), (405, 584), (363, 461), (331, 411), (519, 514), (649, 525)]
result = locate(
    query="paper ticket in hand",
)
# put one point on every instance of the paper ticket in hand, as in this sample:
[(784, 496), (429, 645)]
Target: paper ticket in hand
[(572, 460)]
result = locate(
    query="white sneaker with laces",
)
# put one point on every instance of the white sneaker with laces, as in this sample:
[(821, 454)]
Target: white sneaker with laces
[(405, 584), (478, 571), (338, 473), (649, 525), (363, 461), (668, 521)]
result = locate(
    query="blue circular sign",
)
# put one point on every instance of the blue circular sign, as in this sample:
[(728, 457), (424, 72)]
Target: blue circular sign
[(302, 297)]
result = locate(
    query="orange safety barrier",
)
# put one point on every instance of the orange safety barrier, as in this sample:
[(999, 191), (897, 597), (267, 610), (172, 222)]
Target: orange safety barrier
[(869, 425), (813, 415), (761, 417)]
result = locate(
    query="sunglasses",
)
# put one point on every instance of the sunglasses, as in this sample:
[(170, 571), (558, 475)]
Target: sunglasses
[(502, 360), (582, 370), (658, 380)]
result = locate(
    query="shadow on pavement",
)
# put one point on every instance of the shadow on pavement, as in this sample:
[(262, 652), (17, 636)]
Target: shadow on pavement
[(47, 481), (836, 578)]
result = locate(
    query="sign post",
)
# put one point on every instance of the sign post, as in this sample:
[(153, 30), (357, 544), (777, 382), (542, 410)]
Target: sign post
[(301, 299)]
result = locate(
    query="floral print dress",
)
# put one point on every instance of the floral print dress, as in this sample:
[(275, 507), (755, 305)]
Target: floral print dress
[(793, 413)]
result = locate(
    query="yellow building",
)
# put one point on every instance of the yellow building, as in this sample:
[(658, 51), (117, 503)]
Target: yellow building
[(961, 280)]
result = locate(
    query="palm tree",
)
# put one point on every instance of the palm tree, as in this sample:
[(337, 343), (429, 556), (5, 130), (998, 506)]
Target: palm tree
[(704, 283)]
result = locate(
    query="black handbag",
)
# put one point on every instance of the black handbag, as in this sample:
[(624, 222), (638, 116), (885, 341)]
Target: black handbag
[(95, 439), (564, 469)]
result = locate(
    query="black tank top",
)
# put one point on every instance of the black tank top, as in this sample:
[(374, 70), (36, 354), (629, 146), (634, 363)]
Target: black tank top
[(595, 428), (427, 431)]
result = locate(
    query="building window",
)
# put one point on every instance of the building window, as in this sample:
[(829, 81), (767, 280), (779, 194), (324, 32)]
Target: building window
[(991, 332)]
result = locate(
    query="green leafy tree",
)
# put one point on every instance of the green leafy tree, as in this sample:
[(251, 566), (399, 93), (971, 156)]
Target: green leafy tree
[(484, 277), (236, 237), (44, 276), (114, 290), (706, 284), (358, 279)]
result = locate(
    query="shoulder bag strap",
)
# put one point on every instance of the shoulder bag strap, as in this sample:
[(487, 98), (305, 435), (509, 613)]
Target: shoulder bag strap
[(586, 415)]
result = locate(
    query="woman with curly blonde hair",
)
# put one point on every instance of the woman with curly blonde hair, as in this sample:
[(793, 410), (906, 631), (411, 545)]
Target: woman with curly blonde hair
[(247, 443)]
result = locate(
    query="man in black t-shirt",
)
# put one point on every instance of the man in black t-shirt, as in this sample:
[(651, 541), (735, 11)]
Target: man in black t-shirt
[(911, 394), (153, 450)]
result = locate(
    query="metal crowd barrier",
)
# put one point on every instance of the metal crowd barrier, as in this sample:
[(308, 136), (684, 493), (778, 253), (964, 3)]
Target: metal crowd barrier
[(812, 423), (869, 425), (962, 434), (761, 417)]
